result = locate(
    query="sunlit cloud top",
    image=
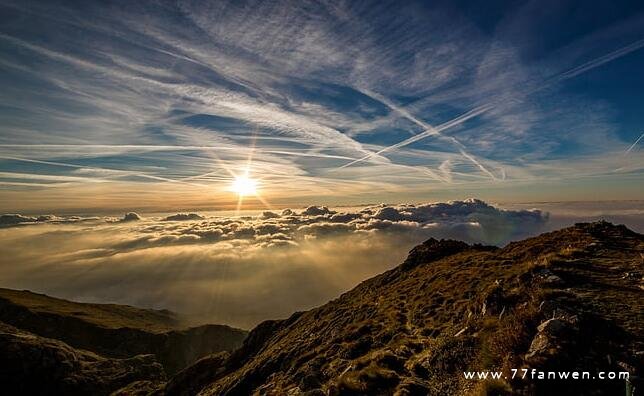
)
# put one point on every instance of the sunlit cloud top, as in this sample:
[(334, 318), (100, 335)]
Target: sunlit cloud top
[(152, 104)]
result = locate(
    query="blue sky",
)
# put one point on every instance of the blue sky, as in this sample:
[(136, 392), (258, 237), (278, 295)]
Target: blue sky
[(161, 104)]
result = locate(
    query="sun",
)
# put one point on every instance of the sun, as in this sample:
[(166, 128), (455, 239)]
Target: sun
[(244, 185)]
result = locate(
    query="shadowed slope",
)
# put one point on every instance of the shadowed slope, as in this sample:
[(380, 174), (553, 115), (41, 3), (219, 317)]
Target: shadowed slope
[(117, 331), (33, 365), (111, 316)]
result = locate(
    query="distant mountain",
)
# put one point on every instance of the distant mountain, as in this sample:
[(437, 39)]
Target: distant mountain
[(109, 316), (115, 331), (566, 300)]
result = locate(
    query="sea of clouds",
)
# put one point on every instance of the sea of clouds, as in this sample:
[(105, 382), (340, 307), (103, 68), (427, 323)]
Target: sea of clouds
[(237, 270)]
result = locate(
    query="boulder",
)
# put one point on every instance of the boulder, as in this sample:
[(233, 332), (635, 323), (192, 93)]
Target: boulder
[(552, 335)]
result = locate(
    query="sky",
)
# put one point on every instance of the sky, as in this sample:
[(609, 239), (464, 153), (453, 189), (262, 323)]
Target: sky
[(160, 105), (238, 154)]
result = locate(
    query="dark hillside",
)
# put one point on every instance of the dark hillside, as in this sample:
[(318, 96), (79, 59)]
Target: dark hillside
[(116, 331)]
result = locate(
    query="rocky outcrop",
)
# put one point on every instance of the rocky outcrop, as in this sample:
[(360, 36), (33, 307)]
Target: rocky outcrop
[(553, 336), (33, 365), (433, 249)]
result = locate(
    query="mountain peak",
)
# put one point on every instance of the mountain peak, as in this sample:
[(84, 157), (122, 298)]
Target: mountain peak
[(561, 299), (434, 249)]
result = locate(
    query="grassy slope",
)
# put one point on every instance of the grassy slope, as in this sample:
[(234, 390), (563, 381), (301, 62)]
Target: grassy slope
[(414, 329)]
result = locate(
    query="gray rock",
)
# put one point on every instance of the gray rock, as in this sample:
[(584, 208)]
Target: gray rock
[(551, 335)]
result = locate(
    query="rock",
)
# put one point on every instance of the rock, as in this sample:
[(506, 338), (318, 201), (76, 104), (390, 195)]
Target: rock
[(493, 301), (433, 249), (553, 280), (552, 335), (553, 327), (547, 278)]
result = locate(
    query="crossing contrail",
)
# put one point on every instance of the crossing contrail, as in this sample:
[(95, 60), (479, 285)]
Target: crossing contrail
[(436, 131), (428, 132)]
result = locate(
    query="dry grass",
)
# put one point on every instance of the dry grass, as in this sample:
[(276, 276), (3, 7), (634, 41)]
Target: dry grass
[(419, 326)]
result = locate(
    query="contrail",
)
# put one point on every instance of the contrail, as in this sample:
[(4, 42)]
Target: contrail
[(433, 131), (153, 148), (480, 166), (634, 144), (600, 61), (116, 171), (429, 132)]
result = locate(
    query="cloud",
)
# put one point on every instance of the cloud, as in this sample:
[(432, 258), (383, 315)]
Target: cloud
[(475, 221), (388, 213), (12, 219), (316, 211), (244, 269), (239, 269), (180, 98), (270, 215), (8, 220), (131, 216), (472, 220), (183, 217)]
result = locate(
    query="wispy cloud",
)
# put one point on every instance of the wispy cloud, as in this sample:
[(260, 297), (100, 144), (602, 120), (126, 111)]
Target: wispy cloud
[(182, 93), (429, 130)]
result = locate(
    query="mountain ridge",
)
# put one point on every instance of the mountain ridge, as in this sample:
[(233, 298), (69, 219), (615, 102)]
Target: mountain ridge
[(414, 329), (565, 300)]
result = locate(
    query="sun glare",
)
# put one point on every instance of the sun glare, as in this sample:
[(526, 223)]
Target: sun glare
[(244, 185)]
